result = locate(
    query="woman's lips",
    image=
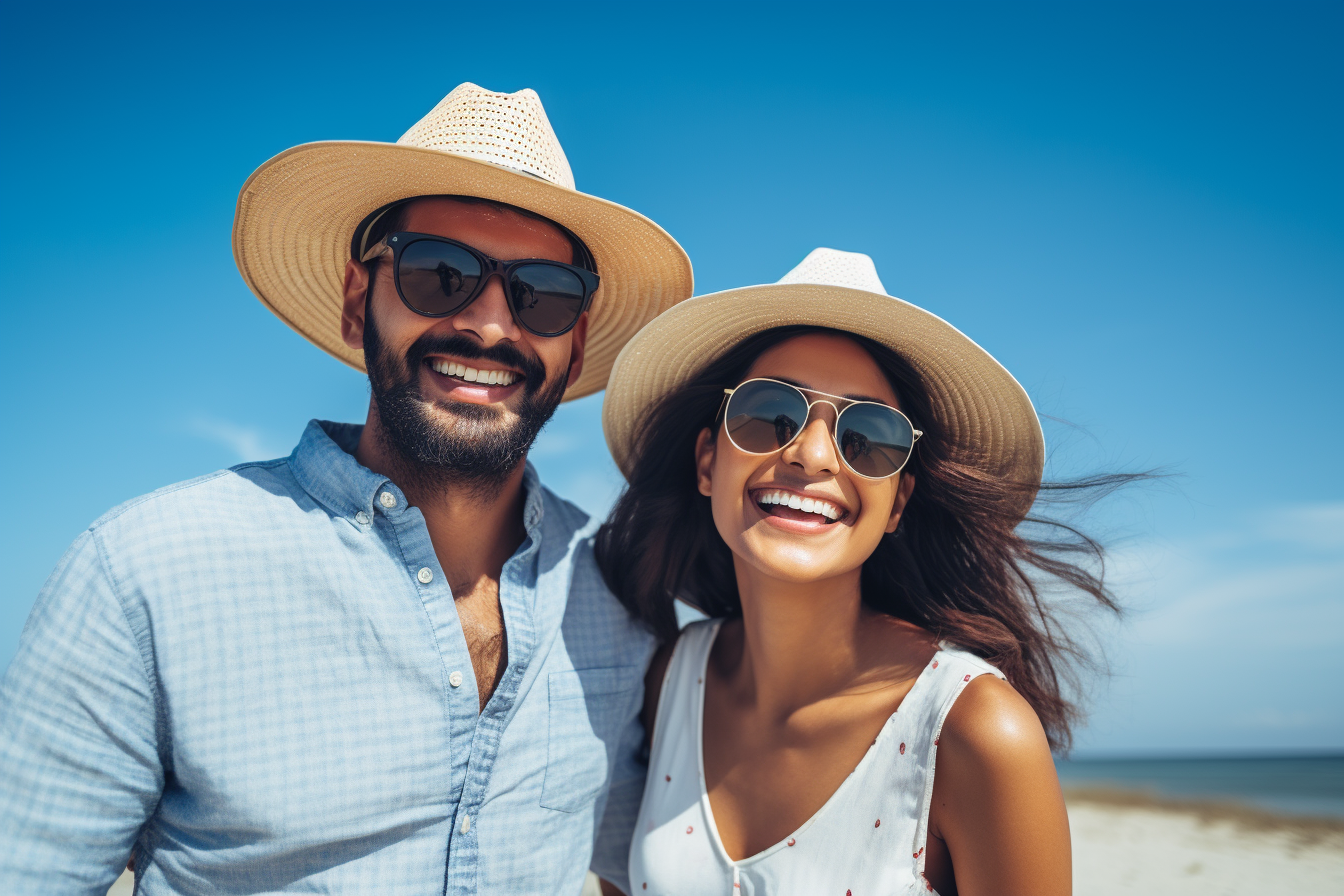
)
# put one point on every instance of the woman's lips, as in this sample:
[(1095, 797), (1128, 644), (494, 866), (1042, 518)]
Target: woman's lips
[(782, 501), (812, 515)]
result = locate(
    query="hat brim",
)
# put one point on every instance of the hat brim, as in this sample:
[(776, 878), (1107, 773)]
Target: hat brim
[(297, 213), (983, 410)]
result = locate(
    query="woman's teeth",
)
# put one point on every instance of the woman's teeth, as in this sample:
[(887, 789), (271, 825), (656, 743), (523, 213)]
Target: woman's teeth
[(806, 505), (472, 375)]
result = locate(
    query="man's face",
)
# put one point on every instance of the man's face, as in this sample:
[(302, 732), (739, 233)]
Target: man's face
[(470, 430)]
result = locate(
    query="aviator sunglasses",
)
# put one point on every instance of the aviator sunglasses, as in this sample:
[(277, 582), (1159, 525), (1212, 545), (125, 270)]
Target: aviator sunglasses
[(439, 277), (763, 416)]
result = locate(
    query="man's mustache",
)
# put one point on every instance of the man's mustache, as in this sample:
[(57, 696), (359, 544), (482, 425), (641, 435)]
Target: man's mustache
[(463, 347)]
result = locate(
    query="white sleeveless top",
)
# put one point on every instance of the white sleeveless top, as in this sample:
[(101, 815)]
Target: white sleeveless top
[(867, 839)]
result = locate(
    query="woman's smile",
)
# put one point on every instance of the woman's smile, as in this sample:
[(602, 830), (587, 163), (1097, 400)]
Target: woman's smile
[(797, 511)]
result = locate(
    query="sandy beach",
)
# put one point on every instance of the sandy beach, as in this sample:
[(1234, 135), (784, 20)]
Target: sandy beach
[(1126, 843)]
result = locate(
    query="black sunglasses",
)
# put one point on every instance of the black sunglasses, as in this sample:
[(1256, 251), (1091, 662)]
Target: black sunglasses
[(439, 277), (763, 416)]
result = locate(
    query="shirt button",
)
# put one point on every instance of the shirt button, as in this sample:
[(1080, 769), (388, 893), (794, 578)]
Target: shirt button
[(466, 824), (388, 500), (426, 575), (362, 518), (455, 678)]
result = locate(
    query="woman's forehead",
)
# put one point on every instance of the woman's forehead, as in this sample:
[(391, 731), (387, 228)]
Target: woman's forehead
[(825, 362)]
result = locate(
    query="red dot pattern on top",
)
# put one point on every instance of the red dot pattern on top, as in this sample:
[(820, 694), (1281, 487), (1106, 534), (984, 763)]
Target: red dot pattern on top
[(950, 687)]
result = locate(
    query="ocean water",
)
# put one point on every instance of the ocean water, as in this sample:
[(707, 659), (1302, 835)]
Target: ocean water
[(1297, 785)]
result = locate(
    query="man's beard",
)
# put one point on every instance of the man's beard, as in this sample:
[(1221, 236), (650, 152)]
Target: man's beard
[(478, 448)]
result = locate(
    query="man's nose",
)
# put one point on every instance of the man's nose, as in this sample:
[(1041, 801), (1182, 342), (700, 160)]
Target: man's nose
[(489, 317)]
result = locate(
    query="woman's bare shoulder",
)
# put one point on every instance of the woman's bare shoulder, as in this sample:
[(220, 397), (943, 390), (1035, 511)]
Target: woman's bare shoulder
[(991, 724), (997, 809), (993, 755)]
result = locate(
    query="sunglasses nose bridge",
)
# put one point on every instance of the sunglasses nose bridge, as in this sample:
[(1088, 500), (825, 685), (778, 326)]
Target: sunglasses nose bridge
[(813, 414)]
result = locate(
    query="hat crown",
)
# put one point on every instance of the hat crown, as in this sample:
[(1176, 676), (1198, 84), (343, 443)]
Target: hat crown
[(506, 129), (831, 267)]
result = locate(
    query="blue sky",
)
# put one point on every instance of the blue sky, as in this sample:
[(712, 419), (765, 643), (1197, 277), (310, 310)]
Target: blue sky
[(1138, 208)]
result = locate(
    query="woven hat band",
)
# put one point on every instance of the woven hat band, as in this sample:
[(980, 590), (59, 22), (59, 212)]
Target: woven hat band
[(506, 129)]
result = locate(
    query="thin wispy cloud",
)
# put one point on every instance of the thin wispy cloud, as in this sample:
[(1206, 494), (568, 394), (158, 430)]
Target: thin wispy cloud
[(1230, 636), (246, 443)]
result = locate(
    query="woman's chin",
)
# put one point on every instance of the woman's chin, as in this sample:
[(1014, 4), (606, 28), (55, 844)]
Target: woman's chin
[(784, 556)]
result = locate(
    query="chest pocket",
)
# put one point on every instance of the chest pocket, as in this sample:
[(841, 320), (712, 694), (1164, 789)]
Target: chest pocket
[(586, 711)]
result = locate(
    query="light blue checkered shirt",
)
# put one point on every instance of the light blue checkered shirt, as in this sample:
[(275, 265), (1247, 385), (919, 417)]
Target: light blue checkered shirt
[(249, 676)]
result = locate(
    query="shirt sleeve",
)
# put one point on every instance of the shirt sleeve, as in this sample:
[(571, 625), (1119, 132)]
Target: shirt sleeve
[(611, 845), (78, 737)]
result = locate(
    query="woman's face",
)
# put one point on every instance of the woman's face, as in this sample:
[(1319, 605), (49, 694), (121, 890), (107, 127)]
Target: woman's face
[(794, 545)]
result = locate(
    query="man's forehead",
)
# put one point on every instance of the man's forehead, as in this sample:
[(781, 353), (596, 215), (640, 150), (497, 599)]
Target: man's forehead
[(442, 210), (488, 226)]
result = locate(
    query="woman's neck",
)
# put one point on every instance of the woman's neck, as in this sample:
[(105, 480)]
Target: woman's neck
[(801, 642)]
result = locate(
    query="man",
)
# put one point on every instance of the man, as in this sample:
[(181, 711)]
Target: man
[(387, 663)]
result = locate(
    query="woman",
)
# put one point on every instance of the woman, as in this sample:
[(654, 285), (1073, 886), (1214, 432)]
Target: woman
[(836, 477)]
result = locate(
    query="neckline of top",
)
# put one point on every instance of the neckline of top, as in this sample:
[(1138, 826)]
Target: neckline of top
[(713, 828)]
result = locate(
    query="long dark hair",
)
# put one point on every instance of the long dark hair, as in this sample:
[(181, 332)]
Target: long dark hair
[(958, 564)]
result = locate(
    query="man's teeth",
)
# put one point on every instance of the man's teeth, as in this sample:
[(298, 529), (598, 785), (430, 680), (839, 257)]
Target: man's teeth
[(806, 505), (472, 375)]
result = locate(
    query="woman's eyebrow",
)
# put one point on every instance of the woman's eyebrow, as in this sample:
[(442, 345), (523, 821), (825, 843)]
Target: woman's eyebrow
[(850, 395)]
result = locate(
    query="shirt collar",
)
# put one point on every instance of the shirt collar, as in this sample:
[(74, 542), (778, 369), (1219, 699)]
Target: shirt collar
[(324, 465)]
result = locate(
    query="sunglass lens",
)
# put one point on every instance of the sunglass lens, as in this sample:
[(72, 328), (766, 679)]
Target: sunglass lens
[(874, 440), (762, 417), (547, 298), (437, 278)]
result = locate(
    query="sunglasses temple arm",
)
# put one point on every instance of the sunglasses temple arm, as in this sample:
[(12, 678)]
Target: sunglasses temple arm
[(723, 403), (375, 250)]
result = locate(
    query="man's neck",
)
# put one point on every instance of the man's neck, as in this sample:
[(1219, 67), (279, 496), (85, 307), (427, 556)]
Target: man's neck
[(474, 528)]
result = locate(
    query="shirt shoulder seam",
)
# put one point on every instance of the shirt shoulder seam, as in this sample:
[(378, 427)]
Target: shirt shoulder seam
[(162, 735), (127, 506)]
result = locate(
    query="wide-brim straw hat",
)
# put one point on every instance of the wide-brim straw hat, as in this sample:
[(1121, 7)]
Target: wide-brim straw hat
[(297, 214), (980, 406)]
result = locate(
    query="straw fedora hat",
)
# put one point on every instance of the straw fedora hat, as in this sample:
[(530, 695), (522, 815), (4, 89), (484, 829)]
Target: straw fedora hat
[(982, 409), (297, 214)]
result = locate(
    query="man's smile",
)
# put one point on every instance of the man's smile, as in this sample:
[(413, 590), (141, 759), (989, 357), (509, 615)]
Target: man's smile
[(483, 375), (481, 382)]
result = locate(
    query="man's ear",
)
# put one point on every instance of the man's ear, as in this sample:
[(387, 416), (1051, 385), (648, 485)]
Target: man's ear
[(353, 305), (704, 461), (578, 341), (903, 492)]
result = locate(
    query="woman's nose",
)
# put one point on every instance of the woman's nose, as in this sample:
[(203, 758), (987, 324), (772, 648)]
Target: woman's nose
[(814, 449)]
